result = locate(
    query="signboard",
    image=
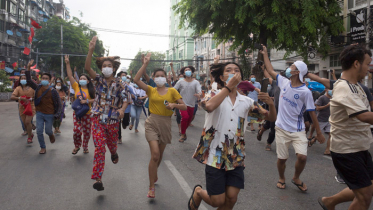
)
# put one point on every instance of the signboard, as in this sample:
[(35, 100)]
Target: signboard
[(2, 65), (357, 26)]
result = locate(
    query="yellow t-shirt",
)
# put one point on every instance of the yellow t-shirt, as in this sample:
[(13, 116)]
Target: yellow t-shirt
[(156, 101), (86, 95)]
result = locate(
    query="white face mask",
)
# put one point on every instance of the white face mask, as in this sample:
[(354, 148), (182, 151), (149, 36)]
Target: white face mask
[(107, 71), (58, 87), (160, 81)]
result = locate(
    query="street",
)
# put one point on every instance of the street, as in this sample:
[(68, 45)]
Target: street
[(60, 180)]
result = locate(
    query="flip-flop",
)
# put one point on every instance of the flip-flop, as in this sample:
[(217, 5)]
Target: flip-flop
[(86, 151), (115, 157), (282, 184), (75, 151), (268, 148), (98, 186), (192, 199), (43, 153), (259, 137), (299, 185), (322, 203), (182, 140)]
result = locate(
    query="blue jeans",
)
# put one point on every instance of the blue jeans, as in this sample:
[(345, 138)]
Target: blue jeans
[(40, 120), (135, 113)]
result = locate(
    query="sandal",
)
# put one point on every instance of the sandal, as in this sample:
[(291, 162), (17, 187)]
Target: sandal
[(182, 140), (24, 133), (98, 186), (43, 153), (299, 186), (321, 203), (259, 136), (131, 126), (75, 151), (311, 142), (86, 151), (115, 158), (192, 199), (119, 141), (33, 127), (282, 184), (268, 147), (153, 190), (29, 140)]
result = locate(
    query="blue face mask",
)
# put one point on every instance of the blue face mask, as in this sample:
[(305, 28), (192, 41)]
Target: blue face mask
[(229, 78), (287, 73), (23, 82), (188, 73), (44, 82), (82, 82), (253, 79), (124, 78), (181, 79), (330, 92)]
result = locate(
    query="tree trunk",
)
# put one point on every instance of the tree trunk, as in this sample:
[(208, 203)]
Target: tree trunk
[(257, 71)]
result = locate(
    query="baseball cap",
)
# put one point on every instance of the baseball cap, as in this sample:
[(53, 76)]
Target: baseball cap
[(129, 76), (302, 67)]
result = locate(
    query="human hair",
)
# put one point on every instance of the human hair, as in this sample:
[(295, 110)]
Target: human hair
[(252, 75), (157, 70), (115, 61), (182, 70), (217, 70), (59, 78), (19, 81), (352, 53), (120, 73), (49, 75), (91, 88)]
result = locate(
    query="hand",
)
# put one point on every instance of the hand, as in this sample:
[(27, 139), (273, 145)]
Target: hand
[(320, 138), (147, 58), (92, 44), (234, 81), (23, 99), (170, 106), (216, 59), (333, 71), (67, 60), (30, 64), (171, 64), (197, 95), (142, 58), (265, 98), (264, 51), (121, 114)]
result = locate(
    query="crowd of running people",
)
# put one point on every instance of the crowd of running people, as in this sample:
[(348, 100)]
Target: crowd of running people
[(106, 102)]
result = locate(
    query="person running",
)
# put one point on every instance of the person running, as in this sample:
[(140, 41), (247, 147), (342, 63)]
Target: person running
[(62, 94), (137, 106), (222, 145), (85, 92), (350, 121), (177, 112), (158, 124), (48, 106), (190, 90), (253, 95), (25, 94), (295, 98), (108, 108)]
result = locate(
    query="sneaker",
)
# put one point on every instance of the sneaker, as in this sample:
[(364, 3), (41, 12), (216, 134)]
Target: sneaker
[(339, 179)]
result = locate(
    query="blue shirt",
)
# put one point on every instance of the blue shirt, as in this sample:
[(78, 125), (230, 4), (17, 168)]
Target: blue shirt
[(152, 83), (253, 94), (128, 109)]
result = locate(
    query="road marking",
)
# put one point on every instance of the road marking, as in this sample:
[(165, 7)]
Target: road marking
[(183, 184), (327, 157)]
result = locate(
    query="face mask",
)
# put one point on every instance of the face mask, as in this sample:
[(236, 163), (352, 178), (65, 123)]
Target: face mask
[(44, 82), (23, 82), (229, 78), (308, 80), (287, 73), (135, 86), (253, 79), (22, 75), (188, 73), (181, 79), (330, 92), (160, 81), (124, 78), (82, 82), (107, 71), (52, 84), (58, 81), (58, 87)]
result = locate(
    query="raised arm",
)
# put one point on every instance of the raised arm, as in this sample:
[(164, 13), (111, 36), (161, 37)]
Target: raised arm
[(141, 71), (266, 75), (68, 70), (87, 66), (32, 84), (324, 81), (173, 71), (333, 74), (267, 63)]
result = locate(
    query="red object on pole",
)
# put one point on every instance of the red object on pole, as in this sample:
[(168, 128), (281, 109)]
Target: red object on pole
[(14, 64), (36, 70), (30, 39), (32, 67), (32, 32), (26, 51), (35, 24)]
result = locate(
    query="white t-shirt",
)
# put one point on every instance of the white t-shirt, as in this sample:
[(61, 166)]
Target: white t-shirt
[(293, 102), (71, 88), (138, 93)]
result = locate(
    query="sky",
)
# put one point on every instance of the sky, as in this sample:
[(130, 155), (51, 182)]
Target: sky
[(145, 16)]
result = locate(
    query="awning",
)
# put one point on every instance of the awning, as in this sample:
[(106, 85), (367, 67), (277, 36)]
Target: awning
[(24, 30), (14, 77), (9, 70)]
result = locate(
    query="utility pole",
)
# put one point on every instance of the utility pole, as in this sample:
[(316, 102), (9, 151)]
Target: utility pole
[(62, 51), (367, 30)]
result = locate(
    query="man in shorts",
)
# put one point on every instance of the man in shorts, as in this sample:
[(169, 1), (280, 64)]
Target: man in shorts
[(295, 98), (350, 120)]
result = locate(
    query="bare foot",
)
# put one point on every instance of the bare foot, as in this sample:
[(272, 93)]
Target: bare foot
[(42, 151)]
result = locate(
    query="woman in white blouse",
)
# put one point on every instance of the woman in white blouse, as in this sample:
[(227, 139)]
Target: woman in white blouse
[(222, 145)]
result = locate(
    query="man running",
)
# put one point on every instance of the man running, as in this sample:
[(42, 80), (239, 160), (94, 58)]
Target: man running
[(295, 99), (253, 95)]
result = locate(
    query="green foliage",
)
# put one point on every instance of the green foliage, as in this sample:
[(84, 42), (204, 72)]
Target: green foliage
[(76, 37), (286, 24), (155, 62), (4, 82)]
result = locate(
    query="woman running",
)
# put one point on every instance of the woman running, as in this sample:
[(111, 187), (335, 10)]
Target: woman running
[(62, 93), (24, 94), (162, 101), (108, 108), (137, 106), (86, 93)]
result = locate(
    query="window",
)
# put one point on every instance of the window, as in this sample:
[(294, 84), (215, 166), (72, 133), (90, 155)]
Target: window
[(22, 1), (13, 9), (2, 4), (21, 15), (334, 60), (180, 54), (213, 44), (2, 25)]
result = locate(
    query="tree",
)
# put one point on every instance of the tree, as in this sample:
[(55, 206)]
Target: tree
[(76, 37), (282, 24), (155, 62), (4, 81)]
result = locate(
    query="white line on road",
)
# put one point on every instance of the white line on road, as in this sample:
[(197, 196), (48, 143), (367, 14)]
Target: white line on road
[(327, 157), (183, 184)]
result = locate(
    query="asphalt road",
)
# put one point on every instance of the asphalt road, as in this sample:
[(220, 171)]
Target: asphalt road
[(60, 180)]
